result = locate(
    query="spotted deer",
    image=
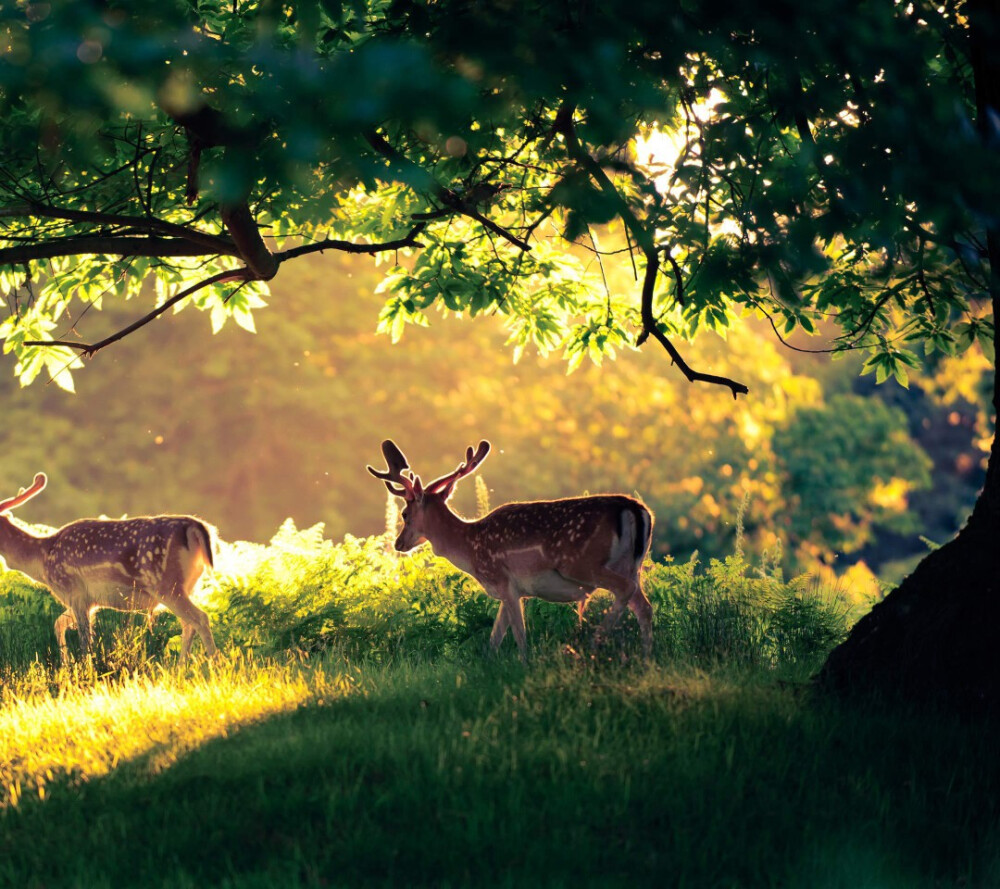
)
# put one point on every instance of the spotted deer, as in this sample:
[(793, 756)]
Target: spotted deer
[(137, 564), (555, 550)]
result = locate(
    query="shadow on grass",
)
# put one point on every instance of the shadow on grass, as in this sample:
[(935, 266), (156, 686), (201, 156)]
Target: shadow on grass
[(493, 775)]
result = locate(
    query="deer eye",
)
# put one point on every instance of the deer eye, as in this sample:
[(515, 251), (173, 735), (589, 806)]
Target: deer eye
[(405, 513)]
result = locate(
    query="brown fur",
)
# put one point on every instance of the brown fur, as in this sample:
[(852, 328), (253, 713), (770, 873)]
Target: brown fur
[(556, 550), (138, 564)]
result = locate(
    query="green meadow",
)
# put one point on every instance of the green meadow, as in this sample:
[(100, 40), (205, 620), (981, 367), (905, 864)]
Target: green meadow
[(355, 732)]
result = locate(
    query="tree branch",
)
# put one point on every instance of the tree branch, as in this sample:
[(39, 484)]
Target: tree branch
[(651, 328), (243, 274), (417, 177), (112, 245), (678, 278), (33, 208), (248, 240), (409, 240), (88, 350), (645, 241), (770, 320)]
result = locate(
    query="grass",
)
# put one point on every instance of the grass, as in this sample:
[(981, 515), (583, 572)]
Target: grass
[(89, 727), (566, 772), (354, 734)]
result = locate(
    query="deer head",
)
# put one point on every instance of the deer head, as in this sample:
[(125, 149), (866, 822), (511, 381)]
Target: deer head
[(424, 505)]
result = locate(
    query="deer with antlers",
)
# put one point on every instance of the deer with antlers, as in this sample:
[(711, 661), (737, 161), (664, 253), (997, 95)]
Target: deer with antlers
[(137, 564), (555, 550)]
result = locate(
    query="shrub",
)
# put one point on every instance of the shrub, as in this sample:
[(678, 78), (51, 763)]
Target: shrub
[(735, 613), (303, 593)]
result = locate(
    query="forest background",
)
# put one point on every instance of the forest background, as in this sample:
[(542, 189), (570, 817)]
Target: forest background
[(834, 475)]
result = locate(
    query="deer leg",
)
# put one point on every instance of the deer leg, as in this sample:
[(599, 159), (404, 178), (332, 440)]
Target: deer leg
[(205, 632), (193, 620), (500, 626), (612, 617), (180, 583), (82, 619), (64, 622), (643, 611), (511, 615), (196, 622), (516, 619), (187, 634), (625, 590)]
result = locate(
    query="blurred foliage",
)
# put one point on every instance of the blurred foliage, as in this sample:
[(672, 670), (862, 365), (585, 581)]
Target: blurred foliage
[(848, 466)]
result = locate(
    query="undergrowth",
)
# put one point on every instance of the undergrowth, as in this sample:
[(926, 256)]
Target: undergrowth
[(304, 594)]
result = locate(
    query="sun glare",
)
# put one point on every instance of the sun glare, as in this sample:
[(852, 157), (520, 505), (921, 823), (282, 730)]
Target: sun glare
[(660, 150), (87, 732)]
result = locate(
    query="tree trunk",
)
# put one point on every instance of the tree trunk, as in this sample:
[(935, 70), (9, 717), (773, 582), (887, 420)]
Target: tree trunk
[(938, 634)]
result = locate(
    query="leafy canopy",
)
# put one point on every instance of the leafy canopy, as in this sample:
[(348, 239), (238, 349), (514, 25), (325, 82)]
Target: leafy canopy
[(809, 163)]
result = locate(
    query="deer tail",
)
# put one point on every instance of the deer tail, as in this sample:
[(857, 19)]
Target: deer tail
[(199, 539), (643, 530)]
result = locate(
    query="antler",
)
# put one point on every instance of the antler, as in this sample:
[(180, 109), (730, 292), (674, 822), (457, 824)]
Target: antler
[(25, 495), (406, 486), (472, 460)]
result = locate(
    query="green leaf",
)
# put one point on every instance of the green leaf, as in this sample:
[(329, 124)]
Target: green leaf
[(244, 318), (218, 317), (63, 378), (907, 357), (987, 343)]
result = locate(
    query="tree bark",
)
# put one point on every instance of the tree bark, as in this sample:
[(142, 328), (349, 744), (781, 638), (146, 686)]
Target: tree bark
[(937, 636), (246, 236)]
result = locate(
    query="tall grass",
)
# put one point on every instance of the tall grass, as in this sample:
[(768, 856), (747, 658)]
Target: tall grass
[(305, 594)]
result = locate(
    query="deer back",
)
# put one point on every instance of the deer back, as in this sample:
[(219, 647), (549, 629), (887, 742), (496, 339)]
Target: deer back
[(140, 549), (601, 528)]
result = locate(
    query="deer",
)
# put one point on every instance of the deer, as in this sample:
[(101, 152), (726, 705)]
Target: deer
[(140, 565), (554, 550)]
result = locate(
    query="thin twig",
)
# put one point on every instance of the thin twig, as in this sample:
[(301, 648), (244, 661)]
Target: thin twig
[(412, 174), (646, 243), (604, 277), (88, 350)]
